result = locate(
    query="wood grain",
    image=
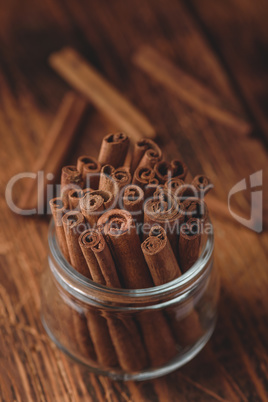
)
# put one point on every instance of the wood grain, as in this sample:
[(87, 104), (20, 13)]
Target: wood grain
[(233, 366)]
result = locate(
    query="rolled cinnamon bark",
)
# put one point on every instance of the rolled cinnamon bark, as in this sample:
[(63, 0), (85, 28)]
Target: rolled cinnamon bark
[(124, 331), (133, 199), (160, 257), (121, 176), (58, 209), (202, 184), (74, 197), (143, 176), (195, 208), (189, 243), (118, 227), (164, 170), (71, 179), (87, 240), (92, 206), (165, 211), (114, 149), (74, 225), (108, 199), (97, 324), (146, 153), (104, 257), (163, 269), (106, 182), (173, 185), (90, 169)]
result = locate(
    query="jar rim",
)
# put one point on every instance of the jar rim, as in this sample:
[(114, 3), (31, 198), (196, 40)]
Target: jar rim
[(73, 281)]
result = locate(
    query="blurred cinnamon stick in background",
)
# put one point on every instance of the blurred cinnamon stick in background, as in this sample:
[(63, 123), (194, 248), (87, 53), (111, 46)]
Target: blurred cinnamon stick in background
[(55, 148), (83, 77), (188, 89)]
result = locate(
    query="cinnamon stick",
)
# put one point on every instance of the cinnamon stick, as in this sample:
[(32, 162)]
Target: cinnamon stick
[(189, 89), (120, 229), (124, 331), (107, 196), (83, 77), (114, 179), (144, 175), (90, 168), (163, 267), (74, 225), (113, 151), (160, 257), (164, 170), (74, 197), (203, 184), (97, 324), (92, 206), (140, 148), (71, 179), (57, 143), (133, 198), (58, 209), (87, 240), (118, 226), (164, 210), (174, 185), (189, 243), (195, 208)]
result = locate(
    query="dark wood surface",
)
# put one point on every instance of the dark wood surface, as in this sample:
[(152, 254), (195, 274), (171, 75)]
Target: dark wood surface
[(224, 45)]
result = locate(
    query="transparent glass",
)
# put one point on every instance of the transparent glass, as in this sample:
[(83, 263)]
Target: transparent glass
[(130, 334)]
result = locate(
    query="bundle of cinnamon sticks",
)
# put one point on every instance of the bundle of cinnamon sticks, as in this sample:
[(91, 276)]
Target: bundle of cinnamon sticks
[(131, 227)]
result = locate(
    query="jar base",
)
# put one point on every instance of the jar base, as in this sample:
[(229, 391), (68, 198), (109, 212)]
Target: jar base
[(144, 375)]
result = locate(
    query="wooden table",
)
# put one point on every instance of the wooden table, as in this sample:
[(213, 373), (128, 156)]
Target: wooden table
[(224, 45)]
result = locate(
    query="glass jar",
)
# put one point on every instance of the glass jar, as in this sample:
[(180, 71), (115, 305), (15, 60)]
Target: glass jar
[(130, 334)]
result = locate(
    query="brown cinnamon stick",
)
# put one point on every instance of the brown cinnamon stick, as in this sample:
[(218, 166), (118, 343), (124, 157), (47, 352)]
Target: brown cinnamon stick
[(189, 89), (55, 148), (74, 197), (189, 243), (142, 147), (90, 168), (119, 228), (164, 268), (195, 208), (164, 171), (87, 240), (143, 176), (97, 324), (58, 209), (92, 206), (160, 257), (114, 179), (82, 76), (124, 331), (174, 185), (133, 199), (71, 179), (203, 184), (167, 212), (113, 151), (108, 198), (74, 225)]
